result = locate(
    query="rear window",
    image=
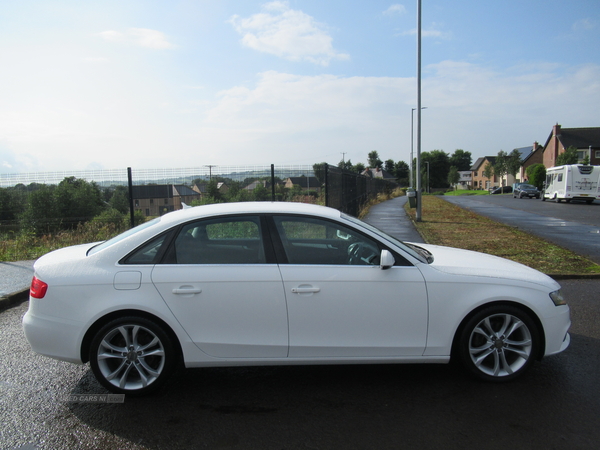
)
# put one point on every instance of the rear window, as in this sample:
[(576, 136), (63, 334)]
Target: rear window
[(120, 237)]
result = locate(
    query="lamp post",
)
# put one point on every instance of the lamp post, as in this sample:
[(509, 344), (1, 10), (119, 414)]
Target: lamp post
[(412, 128), (418, 215)]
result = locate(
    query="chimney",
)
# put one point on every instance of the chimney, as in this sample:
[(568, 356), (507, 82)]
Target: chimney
[(556, 130)]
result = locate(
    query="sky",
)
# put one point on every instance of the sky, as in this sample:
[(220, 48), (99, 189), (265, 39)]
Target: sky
[(109, 84)]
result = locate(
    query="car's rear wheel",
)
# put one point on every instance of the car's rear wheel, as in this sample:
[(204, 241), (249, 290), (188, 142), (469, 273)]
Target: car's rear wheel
[(132, 355), (499, 343)]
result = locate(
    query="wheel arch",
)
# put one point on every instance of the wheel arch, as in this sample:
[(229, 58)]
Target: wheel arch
[(98, 324), (523, 308)]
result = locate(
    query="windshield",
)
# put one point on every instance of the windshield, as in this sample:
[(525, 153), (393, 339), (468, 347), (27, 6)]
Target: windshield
[(120, 237), (412, 250)]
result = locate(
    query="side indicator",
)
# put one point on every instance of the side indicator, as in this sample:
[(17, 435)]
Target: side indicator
[(38, 288)]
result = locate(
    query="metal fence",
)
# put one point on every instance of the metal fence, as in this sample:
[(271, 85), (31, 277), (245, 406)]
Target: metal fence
[(322, 183)]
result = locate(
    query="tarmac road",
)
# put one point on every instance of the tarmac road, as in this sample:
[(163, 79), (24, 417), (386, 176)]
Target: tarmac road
[(555, 405)]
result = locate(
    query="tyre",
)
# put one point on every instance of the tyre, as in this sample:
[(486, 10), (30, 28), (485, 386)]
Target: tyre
[(499, 343), (132, 355)]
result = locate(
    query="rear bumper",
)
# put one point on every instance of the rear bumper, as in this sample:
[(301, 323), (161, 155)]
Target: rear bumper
[(53, 337)]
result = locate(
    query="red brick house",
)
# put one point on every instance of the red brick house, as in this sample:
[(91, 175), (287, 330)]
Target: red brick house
[(585, 140)]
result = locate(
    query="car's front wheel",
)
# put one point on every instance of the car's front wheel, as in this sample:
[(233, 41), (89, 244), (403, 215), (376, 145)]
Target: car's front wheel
[(132, 355), (499, 343)]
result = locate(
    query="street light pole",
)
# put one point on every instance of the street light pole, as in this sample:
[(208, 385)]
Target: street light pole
[(419, 197), (412, 128)]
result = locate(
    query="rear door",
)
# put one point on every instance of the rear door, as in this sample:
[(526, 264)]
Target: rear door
[(224, 288)]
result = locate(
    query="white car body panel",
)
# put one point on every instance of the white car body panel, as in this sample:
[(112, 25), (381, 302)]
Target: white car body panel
[(346, 317), (241, 316)]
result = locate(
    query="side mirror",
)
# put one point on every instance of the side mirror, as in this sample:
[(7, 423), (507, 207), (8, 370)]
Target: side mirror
[(387, 260)]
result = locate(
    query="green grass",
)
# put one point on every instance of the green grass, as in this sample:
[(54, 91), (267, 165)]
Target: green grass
[(447, 224), (467, 192)]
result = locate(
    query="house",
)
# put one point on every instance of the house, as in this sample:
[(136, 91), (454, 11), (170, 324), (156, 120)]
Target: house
[(305, 183), (156, 200), (263, 183), (378, 173), (530, 156), (585, 140), (466, 179), (477, 169)]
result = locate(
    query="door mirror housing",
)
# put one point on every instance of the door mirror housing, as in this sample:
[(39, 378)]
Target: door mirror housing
[(387, 260)]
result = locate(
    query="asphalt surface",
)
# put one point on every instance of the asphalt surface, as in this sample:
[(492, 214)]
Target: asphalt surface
[(391, 217), (575, 225), (15, 276), (553, 406)]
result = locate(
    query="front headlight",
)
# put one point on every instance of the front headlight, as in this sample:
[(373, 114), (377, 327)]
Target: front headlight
[(558, 298)]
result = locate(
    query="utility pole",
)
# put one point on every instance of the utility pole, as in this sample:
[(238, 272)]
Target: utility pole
[(210, 166)]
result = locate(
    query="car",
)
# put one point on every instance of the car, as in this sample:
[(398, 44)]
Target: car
[(502, 190), (275, 283), (526, 191)]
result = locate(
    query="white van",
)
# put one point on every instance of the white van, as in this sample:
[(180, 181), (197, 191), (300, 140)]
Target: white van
[(572, 182)]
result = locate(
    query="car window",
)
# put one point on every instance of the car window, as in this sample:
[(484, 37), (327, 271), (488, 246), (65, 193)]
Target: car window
[(147, 253), (309, 240), (230, 240)]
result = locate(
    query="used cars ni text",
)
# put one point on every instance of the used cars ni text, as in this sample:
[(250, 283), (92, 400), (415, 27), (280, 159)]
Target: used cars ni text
[(284, 283)]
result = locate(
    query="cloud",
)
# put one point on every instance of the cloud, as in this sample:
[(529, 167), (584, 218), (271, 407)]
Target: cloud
[(142, 37), (431, 32), (287, 33), (395, 9), (584, 25)]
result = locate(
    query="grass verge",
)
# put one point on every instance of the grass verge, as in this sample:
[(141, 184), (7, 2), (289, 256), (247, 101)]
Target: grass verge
[(447, 224)]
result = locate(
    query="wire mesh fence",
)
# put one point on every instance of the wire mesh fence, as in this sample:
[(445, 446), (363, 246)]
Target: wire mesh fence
[(49, 201)]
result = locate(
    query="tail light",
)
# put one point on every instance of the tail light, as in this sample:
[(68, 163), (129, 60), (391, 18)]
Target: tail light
[(38, 288)]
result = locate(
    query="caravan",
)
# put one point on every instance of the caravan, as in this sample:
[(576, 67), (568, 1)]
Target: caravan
[(572, 182)]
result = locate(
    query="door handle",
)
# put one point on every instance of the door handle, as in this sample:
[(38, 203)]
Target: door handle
[(186, 291), (305, 290)]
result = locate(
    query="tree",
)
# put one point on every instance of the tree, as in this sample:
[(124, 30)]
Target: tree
[(390, 166), (488, 172), (345, 165), (374, 161), (513, 163), (359, 168), (401, 171), (439, 165), (120, 199), (536, 174), (41, 213), (453, 176), (501, 166), (77, 201), (461, 160), (569, 156)]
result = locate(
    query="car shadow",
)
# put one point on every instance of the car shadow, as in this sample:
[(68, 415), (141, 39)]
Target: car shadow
[(352, 406)]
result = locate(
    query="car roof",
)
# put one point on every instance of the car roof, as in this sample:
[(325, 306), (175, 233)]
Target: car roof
[(218, 209)]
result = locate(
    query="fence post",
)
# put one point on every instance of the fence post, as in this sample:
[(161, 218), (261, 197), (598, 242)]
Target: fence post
[(272, 182), (326, 184), (130, 183)]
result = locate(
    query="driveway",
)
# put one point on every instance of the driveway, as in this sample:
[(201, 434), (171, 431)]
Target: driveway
[(575, 226)]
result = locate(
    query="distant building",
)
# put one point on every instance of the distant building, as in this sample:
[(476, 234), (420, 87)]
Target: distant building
[(305, 183), (378, 173), (156, 200), (585, 140)]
